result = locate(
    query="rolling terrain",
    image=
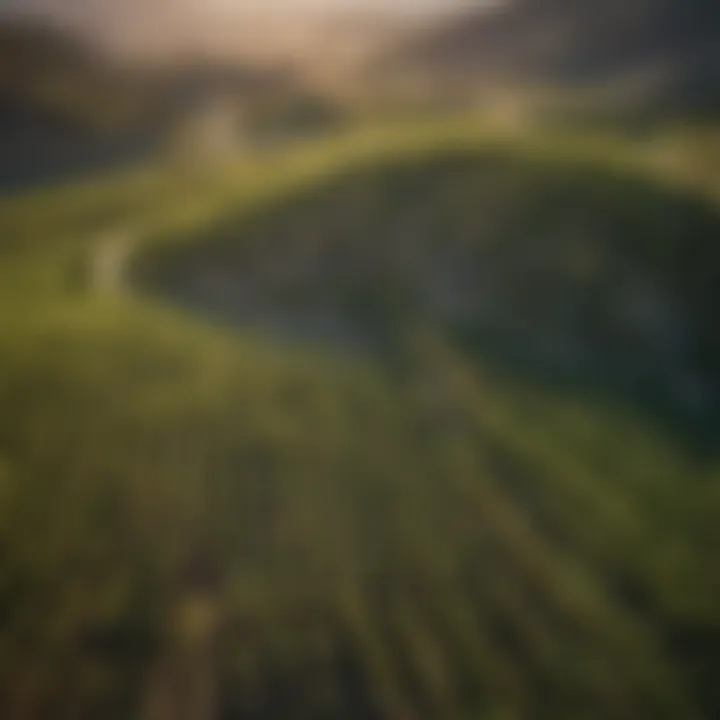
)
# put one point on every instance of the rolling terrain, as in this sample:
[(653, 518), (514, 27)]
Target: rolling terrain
[(415, 422), (620, 56)]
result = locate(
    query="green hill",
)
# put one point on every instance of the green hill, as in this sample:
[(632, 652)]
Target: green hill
[(314, 452)]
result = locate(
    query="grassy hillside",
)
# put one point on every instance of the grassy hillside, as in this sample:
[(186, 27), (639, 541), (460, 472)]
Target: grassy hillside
[(212, 506)]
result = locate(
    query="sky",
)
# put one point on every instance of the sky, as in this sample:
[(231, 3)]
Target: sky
[(77, 9), (167, 23)]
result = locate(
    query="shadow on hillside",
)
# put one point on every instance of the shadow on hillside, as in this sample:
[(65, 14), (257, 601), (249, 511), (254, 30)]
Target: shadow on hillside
[(583, 275)]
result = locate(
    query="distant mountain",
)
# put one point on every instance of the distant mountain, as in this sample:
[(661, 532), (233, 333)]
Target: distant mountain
[(62, 75), (57, 74), (67, 107), (665, 49)]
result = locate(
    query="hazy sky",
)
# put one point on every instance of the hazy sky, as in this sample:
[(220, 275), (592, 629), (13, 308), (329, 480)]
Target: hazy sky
[(76, 9), (169, 23)]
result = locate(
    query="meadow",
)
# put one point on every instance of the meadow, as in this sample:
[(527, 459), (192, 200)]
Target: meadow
[(414, 421)]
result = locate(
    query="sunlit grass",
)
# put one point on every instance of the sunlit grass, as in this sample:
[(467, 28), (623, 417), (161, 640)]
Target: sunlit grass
[(423, 535)]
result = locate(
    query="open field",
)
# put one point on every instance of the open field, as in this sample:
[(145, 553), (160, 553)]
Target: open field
[(414, 422)]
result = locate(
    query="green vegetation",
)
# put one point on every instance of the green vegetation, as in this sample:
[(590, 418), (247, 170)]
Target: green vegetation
[(204, 513)]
